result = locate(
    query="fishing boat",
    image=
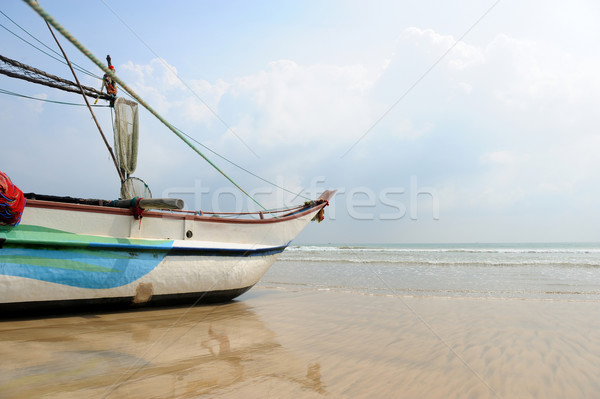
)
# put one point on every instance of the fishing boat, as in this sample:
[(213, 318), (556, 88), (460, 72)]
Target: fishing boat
[(62, 251)]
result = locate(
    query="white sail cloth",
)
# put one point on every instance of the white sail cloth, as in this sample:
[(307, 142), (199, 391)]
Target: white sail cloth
[(126, 134)]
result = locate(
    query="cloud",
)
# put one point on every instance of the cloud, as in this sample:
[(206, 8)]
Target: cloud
[(205, 101), (284, 104), (36, 107), (153, 82), (463, 56), (496, 127), (522, 76), (405, 129), (289, 104), (520, 113), (500, 157)]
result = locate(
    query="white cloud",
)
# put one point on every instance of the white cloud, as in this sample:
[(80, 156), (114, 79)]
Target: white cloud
[(533, 98), (290, 103), (205, 99), (152, 82), (406, 130), (285, 103), (524, 99), (158, 74), (36, 106), (462, 56), (464, 87), (501, 157)]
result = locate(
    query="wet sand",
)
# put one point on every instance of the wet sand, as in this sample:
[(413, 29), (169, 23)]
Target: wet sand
[(276, 343)]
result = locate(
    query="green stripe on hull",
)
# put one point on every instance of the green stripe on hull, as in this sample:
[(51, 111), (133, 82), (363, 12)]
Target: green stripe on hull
[(78, 260), (38, 235)]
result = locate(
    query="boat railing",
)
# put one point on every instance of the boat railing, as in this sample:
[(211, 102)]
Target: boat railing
[(167, 205)]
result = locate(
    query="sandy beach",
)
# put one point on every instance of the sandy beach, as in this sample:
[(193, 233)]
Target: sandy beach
[(308, 344)]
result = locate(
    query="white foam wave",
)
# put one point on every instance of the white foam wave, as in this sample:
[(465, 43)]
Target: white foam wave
[(484, 250), (463, 262)]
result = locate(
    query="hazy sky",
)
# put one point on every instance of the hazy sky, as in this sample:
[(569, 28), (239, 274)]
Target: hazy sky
[(493, 138)]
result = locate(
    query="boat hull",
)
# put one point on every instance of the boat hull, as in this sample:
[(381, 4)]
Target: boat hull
[(62, 254)]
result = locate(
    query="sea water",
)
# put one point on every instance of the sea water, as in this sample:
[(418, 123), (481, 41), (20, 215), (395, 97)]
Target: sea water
[(513, 271)]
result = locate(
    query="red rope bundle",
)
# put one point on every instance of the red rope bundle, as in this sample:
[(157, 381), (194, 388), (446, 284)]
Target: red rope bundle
[(12, 202)]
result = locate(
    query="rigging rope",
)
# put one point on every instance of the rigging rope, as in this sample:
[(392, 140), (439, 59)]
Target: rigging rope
[(16, 69), (48, 18), (170, 68), (11, 93), (59, 58), (229, 128), (87, 103), (241, 167), (81, 69)]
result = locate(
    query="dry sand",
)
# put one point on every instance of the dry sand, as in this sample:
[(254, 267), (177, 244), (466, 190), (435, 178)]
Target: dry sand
[(275, 344)]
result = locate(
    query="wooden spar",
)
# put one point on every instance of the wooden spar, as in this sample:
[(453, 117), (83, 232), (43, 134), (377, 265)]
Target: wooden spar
[(151, 203), (112, 154), (40, 77)]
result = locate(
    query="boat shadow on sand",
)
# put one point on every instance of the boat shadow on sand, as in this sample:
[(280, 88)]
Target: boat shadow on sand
[(165, 352)]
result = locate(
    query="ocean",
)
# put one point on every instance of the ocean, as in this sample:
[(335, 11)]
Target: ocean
[(569, 271)]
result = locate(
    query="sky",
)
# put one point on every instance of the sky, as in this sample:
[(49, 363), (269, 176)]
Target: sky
[(437, 122)]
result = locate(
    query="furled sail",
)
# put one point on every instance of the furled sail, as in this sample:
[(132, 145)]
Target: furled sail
[(126, 135)]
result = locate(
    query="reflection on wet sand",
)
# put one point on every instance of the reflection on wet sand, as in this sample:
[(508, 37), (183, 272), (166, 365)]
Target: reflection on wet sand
[(310, 344), (179, 353)]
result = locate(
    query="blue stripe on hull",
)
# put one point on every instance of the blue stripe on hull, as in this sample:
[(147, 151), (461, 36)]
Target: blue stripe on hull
[(102, 265), (78, 268)]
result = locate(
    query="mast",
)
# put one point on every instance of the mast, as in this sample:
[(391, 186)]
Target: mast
[(112, 154), (48, 18)]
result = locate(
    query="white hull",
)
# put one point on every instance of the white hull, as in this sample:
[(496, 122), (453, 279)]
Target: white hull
[(62, 253)]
